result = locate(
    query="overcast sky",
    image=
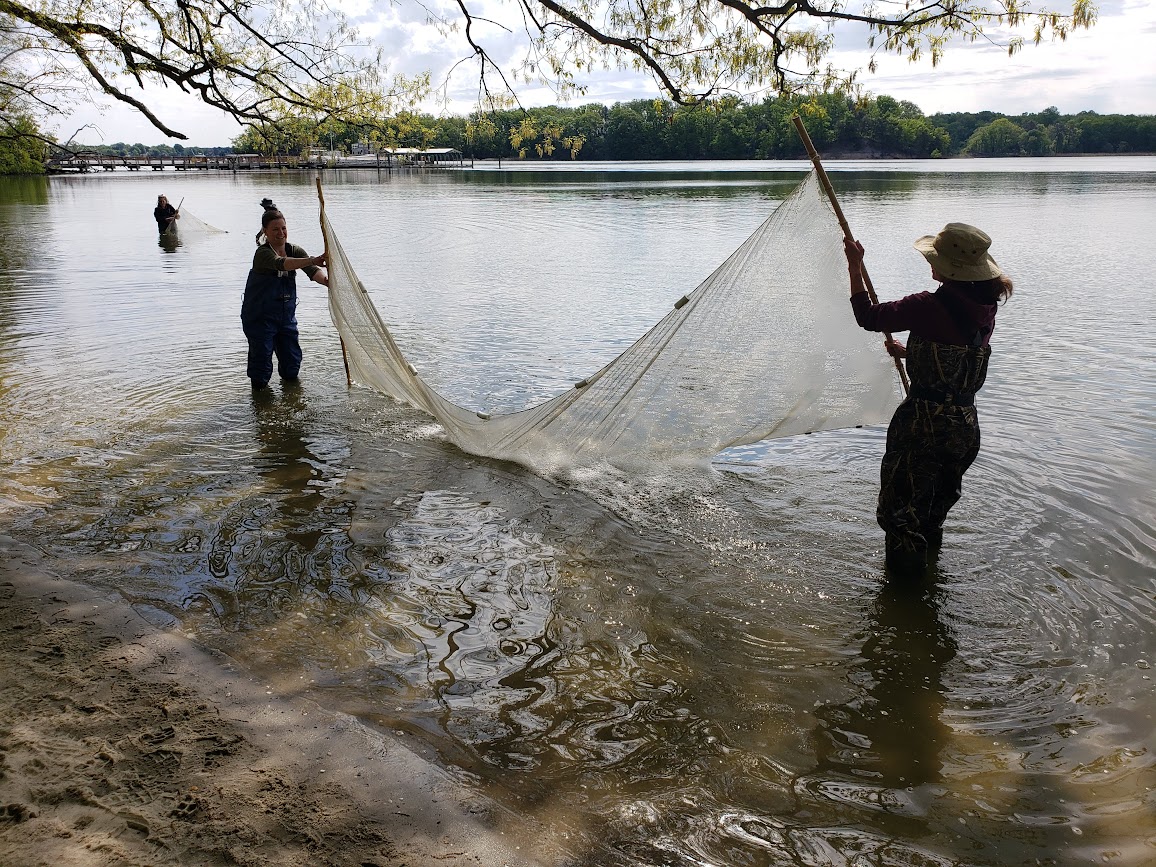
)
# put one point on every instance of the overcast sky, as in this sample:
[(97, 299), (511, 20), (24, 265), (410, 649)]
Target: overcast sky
[(1109, 69)]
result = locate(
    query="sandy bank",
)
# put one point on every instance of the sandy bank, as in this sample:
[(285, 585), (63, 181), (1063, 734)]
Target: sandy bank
[(123, 744)]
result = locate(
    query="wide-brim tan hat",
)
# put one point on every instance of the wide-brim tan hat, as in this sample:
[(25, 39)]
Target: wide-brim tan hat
[(959, 252)]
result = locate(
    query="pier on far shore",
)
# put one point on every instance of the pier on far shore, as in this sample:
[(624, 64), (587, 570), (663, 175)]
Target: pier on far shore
[(389, 159)]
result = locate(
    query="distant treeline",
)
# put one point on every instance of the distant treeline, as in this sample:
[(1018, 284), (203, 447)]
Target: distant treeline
[(728, 129), (655, 129)]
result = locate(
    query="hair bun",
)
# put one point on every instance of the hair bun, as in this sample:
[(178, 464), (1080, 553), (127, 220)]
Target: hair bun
[(268, 205)]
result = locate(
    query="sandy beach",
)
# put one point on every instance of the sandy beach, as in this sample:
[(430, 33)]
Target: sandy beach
[(125, 744)]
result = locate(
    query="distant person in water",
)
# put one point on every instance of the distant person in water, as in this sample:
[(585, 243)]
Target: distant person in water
[(165, 214), (269, 309), (934, 435)]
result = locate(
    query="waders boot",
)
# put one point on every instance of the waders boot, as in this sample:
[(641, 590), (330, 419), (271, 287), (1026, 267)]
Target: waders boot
[(905, 560)]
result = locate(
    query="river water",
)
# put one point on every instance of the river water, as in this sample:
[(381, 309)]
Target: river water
[(702, 669)]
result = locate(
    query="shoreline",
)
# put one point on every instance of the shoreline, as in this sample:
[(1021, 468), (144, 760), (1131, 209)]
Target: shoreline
[(124, 743), (357, 163)]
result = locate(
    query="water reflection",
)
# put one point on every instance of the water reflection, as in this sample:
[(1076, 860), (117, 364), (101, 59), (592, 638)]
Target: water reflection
[(286, 461), (169, 241), (889, 735), (21, 190), (23, 225), (271, 550)]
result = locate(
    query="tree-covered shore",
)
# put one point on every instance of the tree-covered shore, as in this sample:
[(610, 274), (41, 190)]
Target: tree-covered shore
[(730, 129), (876, 127)]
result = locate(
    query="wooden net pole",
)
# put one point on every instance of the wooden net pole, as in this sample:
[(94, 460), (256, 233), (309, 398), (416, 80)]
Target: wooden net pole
[(171, 227), (325, 240), (826, 182)]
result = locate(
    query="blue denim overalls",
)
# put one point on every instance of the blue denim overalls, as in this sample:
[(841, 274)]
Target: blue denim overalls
[(269, 319)]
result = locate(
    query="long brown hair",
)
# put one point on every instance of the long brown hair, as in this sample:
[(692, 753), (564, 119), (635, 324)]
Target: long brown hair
[(992, 291)]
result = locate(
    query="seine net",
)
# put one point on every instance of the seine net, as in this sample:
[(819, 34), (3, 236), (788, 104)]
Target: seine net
[(765, 347), (191, 224)]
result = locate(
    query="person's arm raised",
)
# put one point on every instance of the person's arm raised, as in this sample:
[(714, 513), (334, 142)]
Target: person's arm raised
[(854, 252), (292, 263)]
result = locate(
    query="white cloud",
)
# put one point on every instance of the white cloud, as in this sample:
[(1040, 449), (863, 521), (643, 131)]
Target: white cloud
[(1109, 69), (117, 122)]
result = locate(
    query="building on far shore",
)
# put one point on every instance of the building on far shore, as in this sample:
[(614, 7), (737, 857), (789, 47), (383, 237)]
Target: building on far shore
[(423, 156)]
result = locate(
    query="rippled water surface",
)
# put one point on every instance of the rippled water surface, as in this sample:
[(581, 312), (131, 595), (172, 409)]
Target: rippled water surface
[(697, 668)]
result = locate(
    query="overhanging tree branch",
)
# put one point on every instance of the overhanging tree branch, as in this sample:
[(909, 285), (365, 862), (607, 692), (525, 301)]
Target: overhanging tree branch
[(255, 62), (694, 49), (262, 61)]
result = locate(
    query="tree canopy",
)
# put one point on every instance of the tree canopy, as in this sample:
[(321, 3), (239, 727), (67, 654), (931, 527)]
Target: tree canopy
[(262, 61), (256, 61), (842, 126), (695, 49)]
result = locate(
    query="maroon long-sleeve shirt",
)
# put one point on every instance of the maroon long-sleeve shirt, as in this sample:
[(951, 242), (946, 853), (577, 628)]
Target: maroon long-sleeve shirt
[(951, 314)]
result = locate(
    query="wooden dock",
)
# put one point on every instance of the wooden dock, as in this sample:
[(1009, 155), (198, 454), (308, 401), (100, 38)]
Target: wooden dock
[(81, 163), (90, 162)]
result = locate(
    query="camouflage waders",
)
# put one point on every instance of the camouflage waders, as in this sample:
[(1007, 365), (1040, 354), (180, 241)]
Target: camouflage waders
[(931, 441)]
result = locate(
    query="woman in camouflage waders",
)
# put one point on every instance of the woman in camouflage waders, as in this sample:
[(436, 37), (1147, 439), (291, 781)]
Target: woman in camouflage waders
[(934, 435)]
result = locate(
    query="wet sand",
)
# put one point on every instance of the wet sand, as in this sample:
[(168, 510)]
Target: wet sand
[(125, 744)]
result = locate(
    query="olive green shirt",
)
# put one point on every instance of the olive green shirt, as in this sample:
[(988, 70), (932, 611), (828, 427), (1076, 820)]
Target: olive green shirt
[(265, 261)]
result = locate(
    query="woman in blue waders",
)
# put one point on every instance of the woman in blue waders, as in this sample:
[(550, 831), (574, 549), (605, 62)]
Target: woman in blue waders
[(269, 310)]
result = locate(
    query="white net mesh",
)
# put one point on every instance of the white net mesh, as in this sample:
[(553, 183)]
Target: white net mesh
[(765, 347), (191, 224)]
